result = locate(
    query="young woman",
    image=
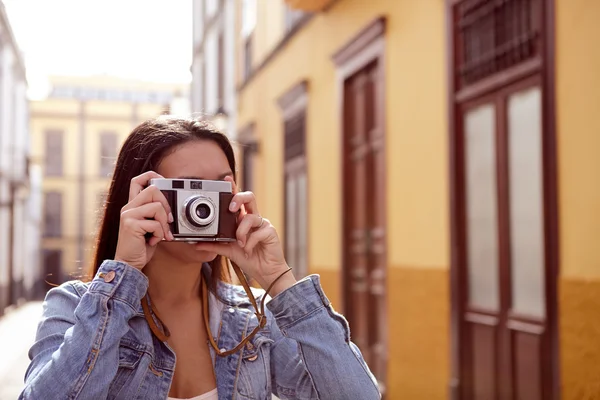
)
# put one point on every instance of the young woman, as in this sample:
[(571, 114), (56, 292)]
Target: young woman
[(160, 319)]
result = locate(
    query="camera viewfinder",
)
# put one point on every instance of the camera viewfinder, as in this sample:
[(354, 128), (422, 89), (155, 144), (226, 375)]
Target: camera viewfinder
[(196, 185)]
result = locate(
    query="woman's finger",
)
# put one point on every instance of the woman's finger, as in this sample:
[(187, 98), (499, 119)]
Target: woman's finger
[(247, 199), (234, 187), (257, 237), (150, 194), (140, 182), (154, 227), (155, 211), (248, 222), (235, 190), (228, 250), (139, 228)]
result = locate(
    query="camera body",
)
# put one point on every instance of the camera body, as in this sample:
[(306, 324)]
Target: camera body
[(200, 209)]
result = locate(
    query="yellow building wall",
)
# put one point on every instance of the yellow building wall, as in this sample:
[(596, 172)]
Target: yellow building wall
[(115, 117), (417, 187), (270, 24), (578, 142), (59, 115)]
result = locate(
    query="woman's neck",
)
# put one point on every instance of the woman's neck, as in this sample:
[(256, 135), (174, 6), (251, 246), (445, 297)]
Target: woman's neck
[(172, 283)]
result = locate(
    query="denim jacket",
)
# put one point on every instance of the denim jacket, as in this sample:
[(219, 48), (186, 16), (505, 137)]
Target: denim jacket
[(93, 342)]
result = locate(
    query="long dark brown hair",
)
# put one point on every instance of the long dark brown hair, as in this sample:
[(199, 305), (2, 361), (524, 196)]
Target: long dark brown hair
[(143, 150)]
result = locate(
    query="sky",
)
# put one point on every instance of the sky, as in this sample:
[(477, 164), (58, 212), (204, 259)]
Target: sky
[(141, 39)]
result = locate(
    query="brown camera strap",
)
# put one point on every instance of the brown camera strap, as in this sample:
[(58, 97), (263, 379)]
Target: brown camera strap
[(260, 315), (164, 334)]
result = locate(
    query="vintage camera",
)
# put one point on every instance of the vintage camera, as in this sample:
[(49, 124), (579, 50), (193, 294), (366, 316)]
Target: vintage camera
[(200, 209)]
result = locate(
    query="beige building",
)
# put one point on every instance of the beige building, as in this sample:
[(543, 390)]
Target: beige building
[(19, 181), (76, 133)]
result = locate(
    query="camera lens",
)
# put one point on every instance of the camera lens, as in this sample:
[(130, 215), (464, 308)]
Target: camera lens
[(199, 211), (203, 211)]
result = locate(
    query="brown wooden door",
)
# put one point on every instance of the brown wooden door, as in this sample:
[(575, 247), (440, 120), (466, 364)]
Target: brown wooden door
[(505, 340), (364, 214), (503, 199)]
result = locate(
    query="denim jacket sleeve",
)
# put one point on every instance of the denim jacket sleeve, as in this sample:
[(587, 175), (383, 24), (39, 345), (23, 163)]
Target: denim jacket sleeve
[(76, 349), (312, 356)]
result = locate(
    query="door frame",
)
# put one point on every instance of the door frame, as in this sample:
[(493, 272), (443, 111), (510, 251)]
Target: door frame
[(458, 273), (367, 46)]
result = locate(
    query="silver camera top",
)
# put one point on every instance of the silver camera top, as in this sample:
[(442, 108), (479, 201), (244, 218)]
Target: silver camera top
[(191, 184)]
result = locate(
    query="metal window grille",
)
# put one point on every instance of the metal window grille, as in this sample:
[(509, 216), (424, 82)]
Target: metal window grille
[(494, 35)]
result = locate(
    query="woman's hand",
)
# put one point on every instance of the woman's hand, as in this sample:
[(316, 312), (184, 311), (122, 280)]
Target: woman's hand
[(258, 251), (148, 211)]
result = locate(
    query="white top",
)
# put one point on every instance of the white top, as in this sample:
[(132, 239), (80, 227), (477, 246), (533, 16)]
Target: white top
[(212, 395), (216, 308)]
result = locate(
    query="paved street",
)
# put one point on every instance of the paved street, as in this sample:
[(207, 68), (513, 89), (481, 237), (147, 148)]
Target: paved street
[(17, 332)]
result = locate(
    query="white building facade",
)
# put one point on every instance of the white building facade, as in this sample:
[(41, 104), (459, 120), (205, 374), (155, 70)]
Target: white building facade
[(20, 181), (213, 92)]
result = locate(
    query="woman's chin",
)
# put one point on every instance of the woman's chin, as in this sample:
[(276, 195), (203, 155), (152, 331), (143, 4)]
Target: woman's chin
[(205, 256), (187, 252)]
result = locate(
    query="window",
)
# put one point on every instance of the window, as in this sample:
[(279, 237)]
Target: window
[(52, 269), (295, 140), (126, 96), (296, 214), (481, 198), (249, 147), (247, 167), (52, 214), (293, 105), (108, 152), (54, 153)]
